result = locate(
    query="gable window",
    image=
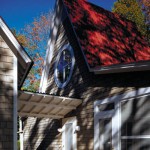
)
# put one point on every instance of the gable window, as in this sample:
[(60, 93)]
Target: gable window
[(64, 66)]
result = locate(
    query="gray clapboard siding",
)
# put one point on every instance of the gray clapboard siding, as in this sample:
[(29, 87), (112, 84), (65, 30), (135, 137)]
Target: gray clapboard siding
[(6, 96)]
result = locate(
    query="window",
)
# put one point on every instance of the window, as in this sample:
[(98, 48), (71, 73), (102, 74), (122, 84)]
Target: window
[(69, 135), (64, 66), (103, 123), (122, 122)]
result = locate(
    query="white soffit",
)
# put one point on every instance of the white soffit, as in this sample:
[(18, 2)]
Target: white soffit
[(45, 106)]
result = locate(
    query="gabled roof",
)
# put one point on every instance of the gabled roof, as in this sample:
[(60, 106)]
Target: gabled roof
[(24, 61), (109, 43)]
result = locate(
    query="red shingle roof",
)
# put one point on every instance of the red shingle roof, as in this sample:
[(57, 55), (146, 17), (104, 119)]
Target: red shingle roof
[(106, 38)]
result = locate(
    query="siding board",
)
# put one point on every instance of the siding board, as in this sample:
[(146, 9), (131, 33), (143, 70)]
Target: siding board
[(6, 96)]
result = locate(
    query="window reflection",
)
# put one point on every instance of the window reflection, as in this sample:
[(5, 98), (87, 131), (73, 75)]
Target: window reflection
[(135, 120), (105, 130), (69, 136)]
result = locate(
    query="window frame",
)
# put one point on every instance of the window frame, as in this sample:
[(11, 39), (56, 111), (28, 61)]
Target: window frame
[(69, 48), (142, 92)]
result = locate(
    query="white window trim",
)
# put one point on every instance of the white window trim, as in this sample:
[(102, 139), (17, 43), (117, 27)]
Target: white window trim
[(142, 92), (65, 121), (21, 133)]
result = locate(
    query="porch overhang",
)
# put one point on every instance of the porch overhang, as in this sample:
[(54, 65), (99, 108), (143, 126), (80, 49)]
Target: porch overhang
[(45, 106)]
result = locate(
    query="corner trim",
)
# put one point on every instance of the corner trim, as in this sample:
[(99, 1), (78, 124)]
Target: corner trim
[(15, 98), (49, 51)]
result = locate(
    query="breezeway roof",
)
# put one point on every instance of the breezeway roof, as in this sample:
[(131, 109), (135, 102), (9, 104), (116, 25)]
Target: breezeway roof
[(45, 106)]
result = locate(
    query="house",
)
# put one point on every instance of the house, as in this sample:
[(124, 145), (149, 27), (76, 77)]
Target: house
[(95, 87), (101, 59), (13, 61)]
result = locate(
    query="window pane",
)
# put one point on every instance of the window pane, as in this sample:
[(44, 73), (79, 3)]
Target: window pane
[(60, 69), (67, 57), (105, 127), (135, 117), (69, 136), (67, 64), (67, 72), (135, 144)]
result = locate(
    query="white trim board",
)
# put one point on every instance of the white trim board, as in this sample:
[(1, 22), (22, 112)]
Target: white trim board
[(49, 52), (15, 97)]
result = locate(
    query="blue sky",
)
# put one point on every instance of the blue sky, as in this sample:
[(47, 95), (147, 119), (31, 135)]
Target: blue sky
[(107, 4), (18, 13)]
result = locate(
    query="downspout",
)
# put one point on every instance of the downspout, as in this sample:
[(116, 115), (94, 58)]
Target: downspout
[(15, 96)]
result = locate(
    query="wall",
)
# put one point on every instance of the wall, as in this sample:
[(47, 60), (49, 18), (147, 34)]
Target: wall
[(41, 134), (6, 96)]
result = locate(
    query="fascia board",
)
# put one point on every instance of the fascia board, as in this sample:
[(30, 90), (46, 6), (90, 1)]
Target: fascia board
[(9, 37), (139, 66)]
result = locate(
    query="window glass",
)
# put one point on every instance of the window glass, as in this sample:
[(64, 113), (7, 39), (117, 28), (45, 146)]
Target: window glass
[(69, 136), (135, 121), (135, 144), (135, 117), (105, 130)]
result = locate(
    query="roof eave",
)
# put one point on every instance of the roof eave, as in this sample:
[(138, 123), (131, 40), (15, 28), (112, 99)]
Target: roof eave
[(132, 67)]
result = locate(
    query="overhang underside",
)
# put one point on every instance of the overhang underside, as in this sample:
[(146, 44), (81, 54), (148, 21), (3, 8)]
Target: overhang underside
[(45, 106)]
